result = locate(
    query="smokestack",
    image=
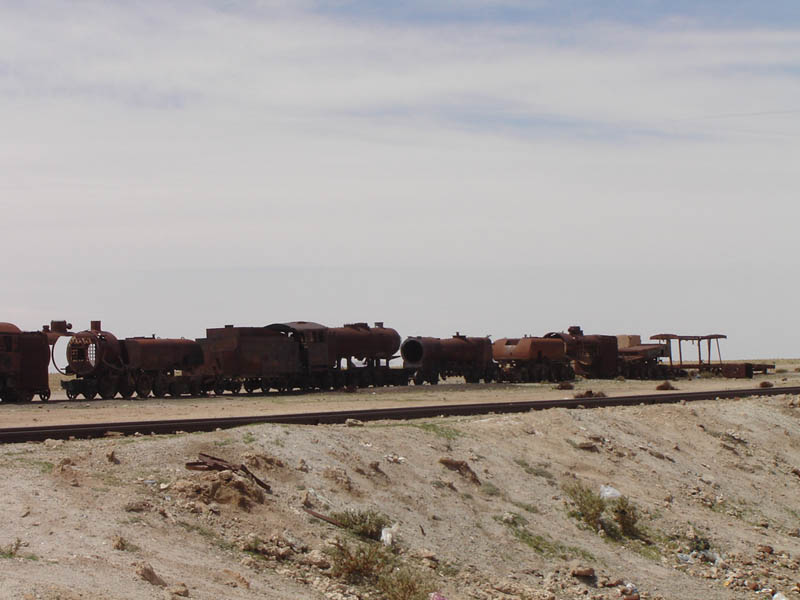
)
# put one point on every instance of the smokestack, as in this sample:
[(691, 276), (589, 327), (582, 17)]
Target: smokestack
[(95, 326)]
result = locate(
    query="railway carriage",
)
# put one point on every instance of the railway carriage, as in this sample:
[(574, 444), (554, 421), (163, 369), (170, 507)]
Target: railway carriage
[(24, 359)]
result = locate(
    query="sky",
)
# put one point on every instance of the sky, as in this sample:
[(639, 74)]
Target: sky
[(494, 167)]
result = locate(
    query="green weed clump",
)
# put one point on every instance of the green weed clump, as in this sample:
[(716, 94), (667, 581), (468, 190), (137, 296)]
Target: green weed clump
[(376, 566), (589, 506), (364, 523), (594, 510)]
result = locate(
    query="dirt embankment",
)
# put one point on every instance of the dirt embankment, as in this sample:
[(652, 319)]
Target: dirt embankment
[(494, 507)]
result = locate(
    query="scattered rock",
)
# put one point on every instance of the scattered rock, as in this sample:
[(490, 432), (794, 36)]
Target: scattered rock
[(302, 466), (112, 457), (231, 578), (138, 506), (146, 572), (354, 423), (461, 467), (582, 572), (119, 543), (179, 590)]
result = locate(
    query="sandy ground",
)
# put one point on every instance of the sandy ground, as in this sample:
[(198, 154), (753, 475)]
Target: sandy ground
[(715, 485), (59, 410)]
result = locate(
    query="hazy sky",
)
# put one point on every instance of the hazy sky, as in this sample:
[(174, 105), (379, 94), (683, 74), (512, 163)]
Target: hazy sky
[(489, 166)]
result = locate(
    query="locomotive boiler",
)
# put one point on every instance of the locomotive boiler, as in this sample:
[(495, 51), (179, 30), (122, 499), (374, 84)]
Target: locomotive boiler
[(105, 365), (532, 359), (430, 358)]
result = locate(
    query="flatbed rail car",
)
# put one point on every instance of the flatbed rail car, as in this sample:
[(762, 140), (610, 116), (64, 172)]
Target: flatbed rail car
[(738, 370)]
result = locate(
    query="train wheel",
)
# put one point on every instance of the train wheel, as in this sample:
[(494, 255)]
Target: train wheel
[(71, 394), (219, 387), (419, 378), (126, 388), (144, 386), (160, 387), (24, 397), (236, 386), (249, 386), (90, 394), (107, 388), (44, 396)]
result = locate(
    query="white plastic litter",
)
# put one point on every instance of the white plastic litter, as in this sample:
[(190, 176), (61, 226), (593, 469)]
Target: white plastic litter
[(609, 493)]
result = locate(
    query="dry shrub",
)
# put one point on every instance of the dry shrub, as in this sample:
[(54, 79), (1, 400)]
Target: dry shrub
[(589, 505), (590, 394), (667, 385), (626, 516), (405, 583), (766, 384), (565, 385), (590, 508), (365, 523), (376, 566), (359, 563)]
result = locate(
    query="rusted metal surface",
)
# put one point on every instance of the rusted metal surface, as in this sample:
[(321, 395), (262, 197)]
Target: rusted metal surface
[(360, 341), (24, 358), (431, 358), (207, 462), (107, 366), (532, 359), (325, 518), (9, 328), (57, 330), (27, 434), (594, 356)]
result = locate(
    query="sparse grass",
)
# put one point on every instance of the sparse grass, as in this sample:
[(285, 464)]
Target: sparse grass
[(364, 523), (442, 431), (526, 507), (12, 551), (225, 442), (376, 566), (248, 437), (538, 470), (539, 543), (207, 533), (490, 489), (44, 466)]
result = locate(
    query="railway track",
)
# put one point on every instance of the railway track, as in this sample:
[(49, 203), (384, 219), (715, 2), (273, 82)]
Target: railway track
[(93, 430)]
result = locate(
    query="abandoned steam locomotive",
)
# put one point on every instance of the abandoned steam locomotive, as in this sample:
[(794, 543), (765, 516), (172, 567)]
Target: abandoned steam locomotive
[(282, 356), (304, 355)]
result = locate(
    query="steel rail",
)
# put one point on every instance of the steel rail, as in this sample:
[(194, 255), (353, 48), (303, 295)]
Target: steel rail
[(91, 430)]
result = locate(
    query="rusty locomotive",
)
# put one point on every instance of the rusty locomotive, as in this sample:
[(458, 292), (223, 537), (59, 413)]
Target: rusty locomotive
[(281, 356), (430, 358), (532, 359)]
